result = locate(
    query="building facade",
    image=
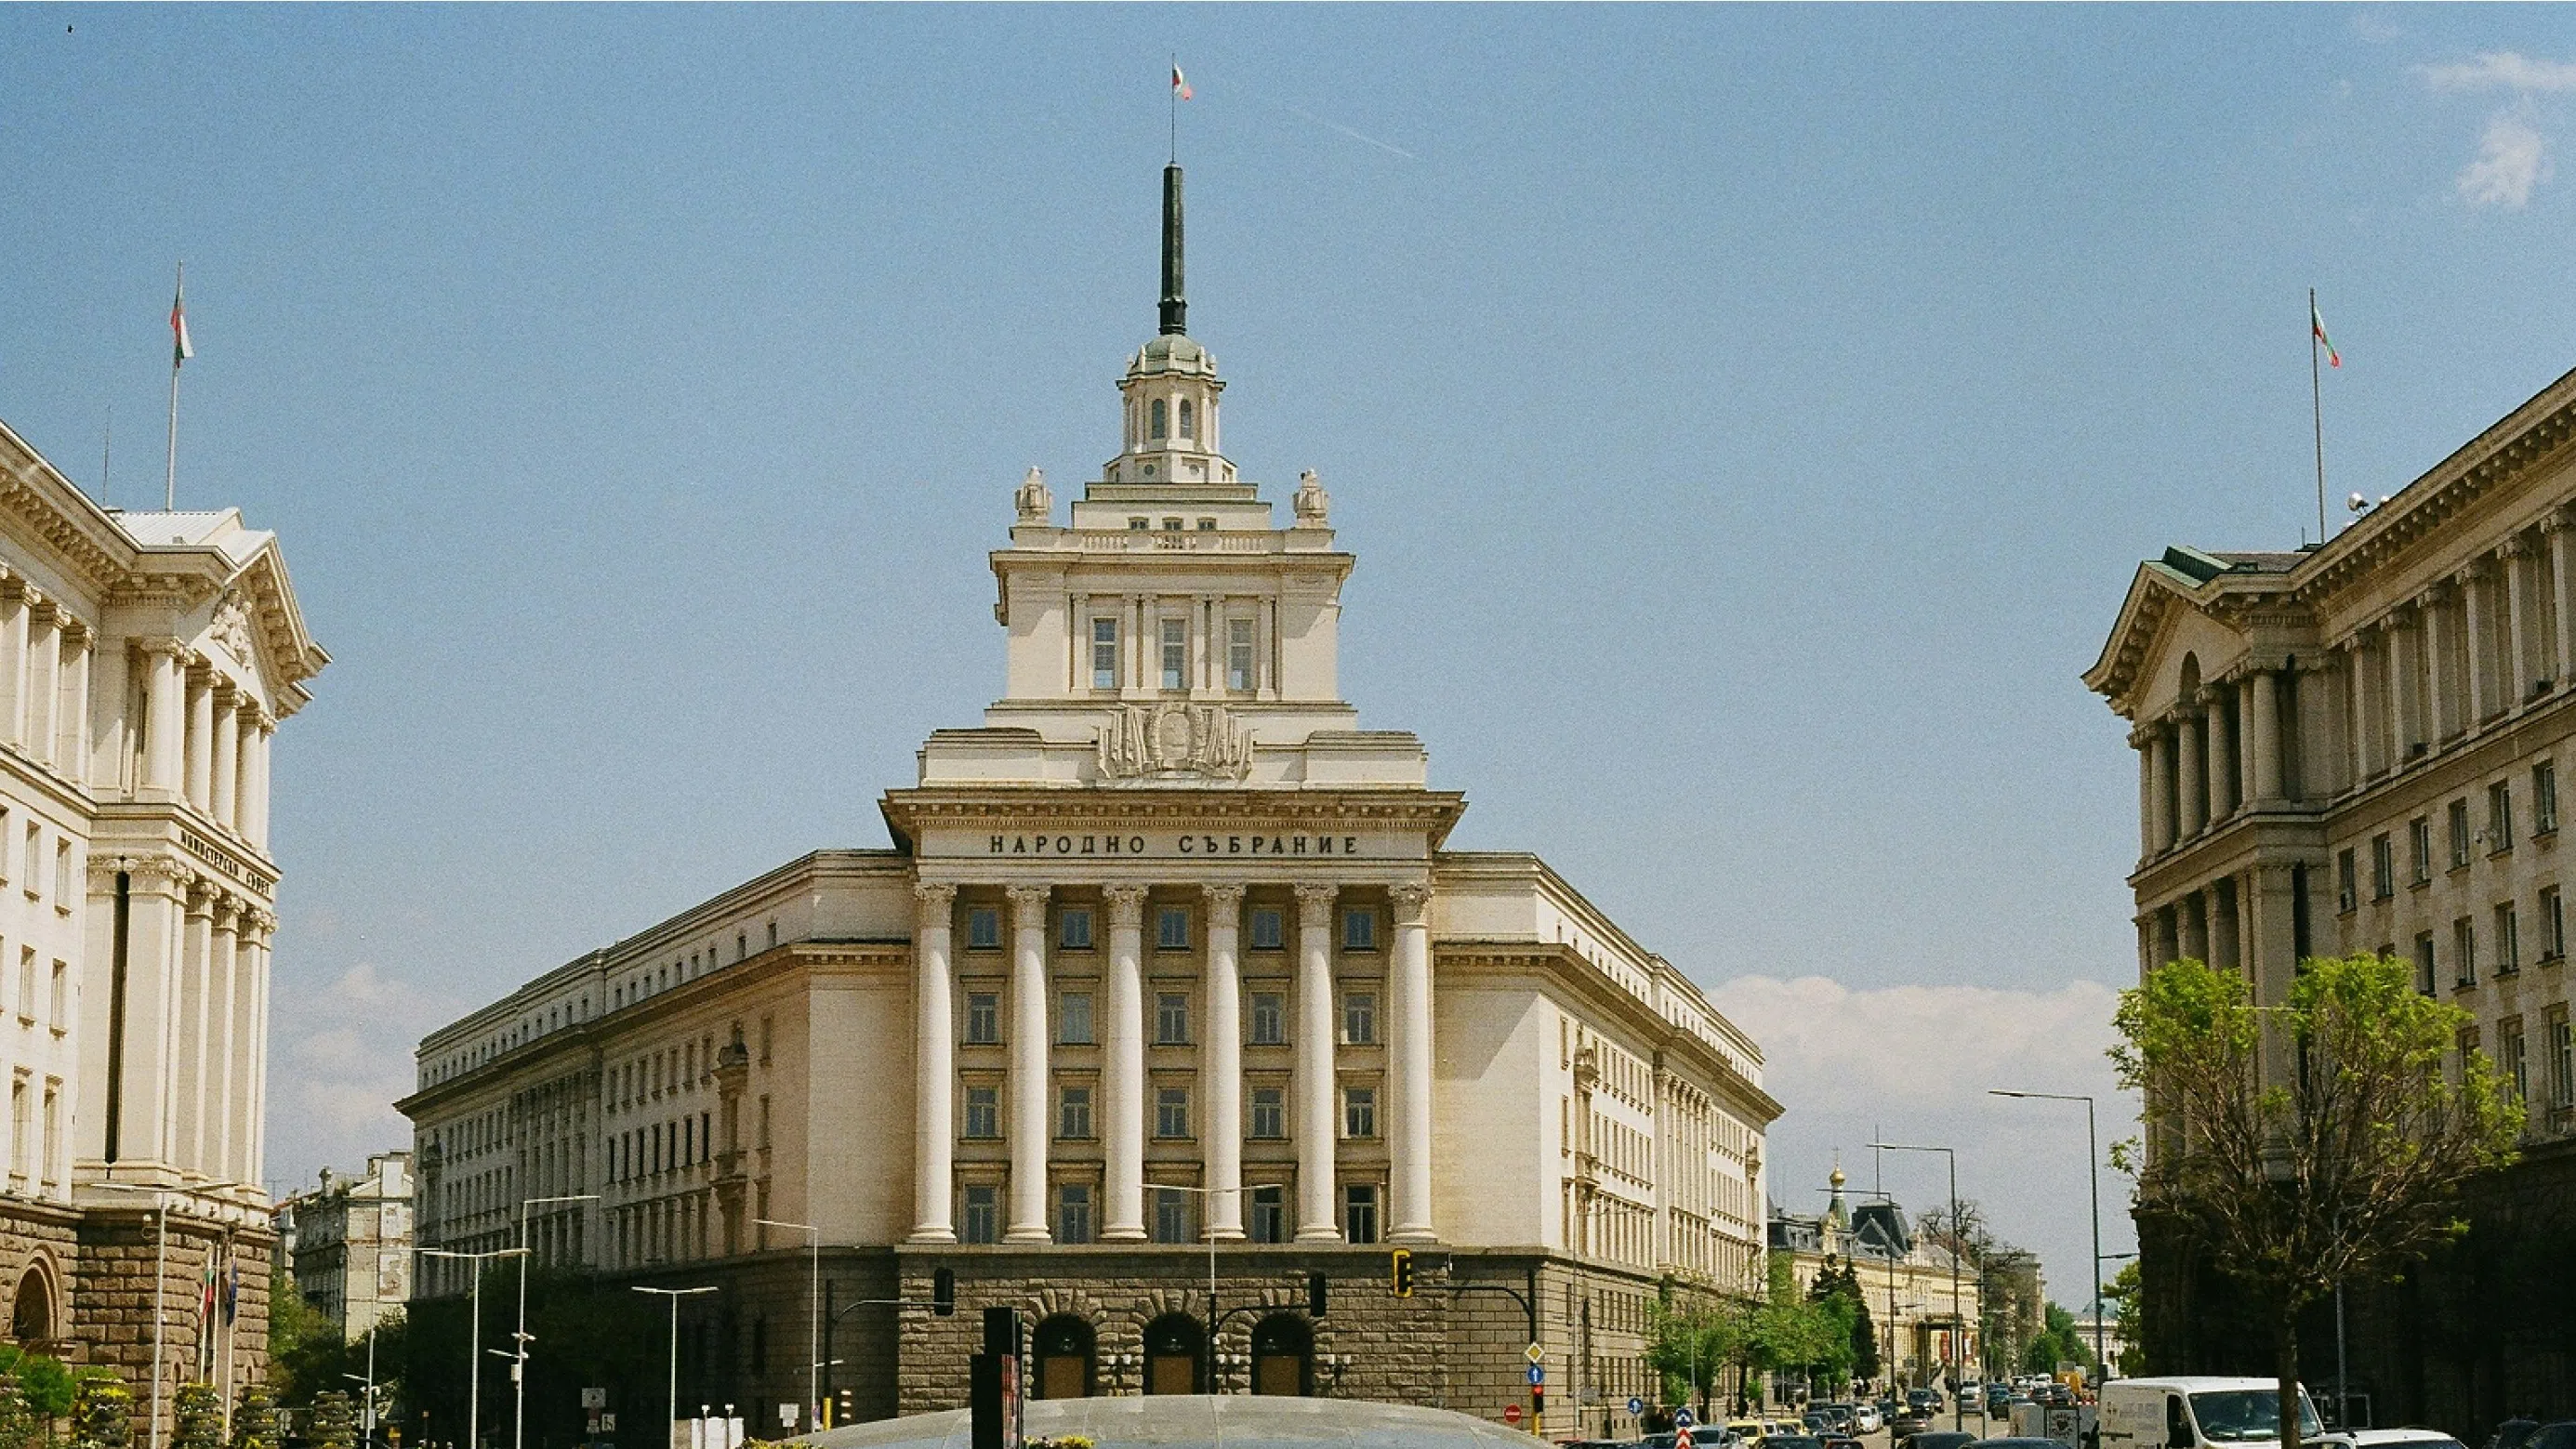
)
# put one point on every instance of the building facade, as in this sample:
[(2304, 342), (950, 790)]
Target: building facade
[(2356, 747), (146, 660), (1169, 977), (349, 1243), (1926, 1306)]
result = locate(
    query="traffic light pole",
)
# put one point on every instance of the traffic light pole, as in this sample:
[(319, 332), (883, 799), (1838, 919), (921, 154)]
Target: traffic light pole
[(1529, 1307)]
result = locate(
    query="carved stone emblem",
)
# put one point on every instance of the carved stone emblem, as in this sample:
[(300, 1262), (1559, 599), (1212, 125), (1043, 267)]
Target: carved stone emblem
[(232, 627), (1174, 741)]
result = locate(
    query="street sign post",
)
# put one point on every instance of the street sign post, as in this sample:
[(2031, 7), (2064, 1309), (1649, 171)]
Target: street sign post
[(1636, 1406), (1682, 1418), (1533, 1353), (1538, 1374)]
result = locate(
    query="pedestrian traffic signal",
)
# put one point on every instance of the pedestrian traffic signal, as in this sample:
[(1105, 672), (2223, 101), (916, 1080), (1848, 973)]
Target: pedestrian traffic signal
[(1401, 1262), (1314, 1295), (943, 1292)]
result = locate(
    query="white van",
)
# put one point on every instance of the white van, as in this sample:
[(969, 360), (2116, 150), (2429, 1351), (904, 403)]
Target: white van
[(2198, 1413)]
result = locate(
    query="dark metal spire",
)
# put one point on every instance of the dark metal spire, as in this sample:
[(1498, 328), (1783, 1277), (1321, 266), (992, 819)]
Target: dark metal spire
[(1176, 309)]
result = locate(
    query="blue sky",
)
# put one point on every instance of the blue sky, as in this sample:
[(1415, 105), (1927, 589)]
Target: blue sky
[(1747, 421)]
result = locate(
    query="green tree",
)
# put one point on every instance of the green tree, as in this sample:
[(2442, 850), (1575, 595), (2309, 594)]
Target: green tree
[(2121, 1298), (2057, 1342), (2312, 1141), (1689, 1343)]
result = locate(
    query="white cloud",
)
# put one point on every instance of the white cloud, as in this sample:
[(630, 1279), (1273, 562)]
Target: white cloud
[(2513, 158), (343, 1056), (2503, 70)]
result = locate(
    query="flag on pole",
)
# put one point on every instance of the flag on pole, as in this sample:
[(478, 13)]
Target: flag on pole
[(2318, 324), (180, 351), (1180, 84)]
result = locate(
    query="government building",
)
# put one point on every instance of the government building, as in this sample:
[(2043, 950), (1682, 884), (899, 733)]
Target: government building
[(1167, 981), (146, 660), (2354, 747), (1926, 1304)]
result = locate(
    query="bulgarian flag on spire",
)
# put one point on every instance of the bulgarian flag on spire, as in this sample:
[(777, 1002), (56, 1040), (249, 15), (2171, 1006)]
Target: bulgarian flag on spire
[(1180, 84), (180, 351), (2317, 324)]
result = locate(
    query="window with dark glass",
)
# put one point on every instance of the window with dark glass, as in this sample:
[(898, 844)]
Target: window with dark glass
[(1269, 1112), (2347, 883), (984, 928), (1359, 1111), (2553, 925), (1359, 929), (1073, 1213), (2464, 951), (1359, 1018), (1073, 1113), (2424, 965), (1171, 1018), (1238, 654), (983, 1112), (2508, 940), (2419, 844), (2500, 816), (1172, 1112), (1269, 1019), (2459, 820), (2544, 798), (1268, 932), (980, 1217), (983, 1018), (2383, 867), (1359, 1212), (1171, 1216), (1073, 1019), (1269, 1217), (1073, 929), (1172, 928)]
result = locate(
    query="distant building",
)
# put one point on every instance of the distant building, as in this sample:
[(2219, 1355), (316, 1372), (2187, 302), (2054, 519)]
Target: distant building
[(351, 1242), (1925, 1305)]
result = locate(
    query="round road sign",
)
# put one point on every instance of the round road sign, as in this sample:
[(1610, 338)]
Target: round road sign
[(1636, 1405), (1511, 1413)]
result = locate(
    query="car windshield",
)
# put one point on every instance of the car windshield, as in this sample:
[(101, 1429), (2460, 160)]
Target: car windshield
[(2234, 1416)]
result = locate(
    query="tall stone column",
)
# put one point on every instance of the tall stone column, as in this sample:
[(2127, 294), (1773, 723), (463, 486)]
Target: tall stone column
[(2263, 729), (187, 1032), (2142, 740), (260, 741), (2163, 809), (71, 747), (2367, 721), (228, 1051), (1122, 1102), (1317, 1221), (2562, 596), (166, 717), (2519, 620), (2194, 792), (934, 1069), (1409, 1059), (44, 679), (250, 1038), (2474, 606), (201, 731), (1028, 1216), (1221, 1064), (2225, 793), (2404, 731), (2441, 644), (223, 785), (15, 603)]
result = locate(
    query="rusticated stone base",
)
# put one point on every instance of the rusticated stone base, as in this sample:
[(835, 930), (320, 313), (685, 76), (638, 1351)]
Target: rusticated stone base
[(116, 1301)]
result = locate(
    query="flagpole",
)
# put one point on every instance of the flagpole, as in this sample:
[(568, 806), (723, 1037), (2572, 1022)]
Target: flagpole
[(170, 479), (1176, 110), (106, 451), (2317, 412)]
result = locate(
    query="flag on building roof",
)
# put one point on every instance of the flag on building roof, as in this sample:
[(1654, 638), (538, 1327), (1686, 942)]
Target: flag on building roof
[(2318, 325), (180, 351), (1180, 84)]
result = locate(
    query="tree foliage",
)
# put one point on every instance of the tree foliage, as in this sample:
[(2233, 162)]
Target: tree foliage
[(1690, 1342), (2312, 1141), (2123, 1299), (44, 1384), (2057, 1342)]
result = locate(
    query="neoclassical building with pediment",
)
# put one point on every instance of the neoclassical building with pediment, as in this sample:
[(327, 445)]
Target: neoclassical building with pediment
[(1168, 978), (147, 659), (2354, 746)]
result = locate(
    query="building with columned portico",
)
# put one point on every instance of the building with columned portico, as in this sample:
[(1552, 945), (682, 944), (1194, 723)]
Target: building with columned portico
[(1169, 974)]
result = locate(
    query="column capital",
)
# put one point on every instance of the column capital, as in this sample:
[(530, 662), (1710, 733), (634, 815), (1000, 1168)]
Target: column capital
[(934, 895), (2474, 570), (1226, 899), (2515, 546), (1029, 903), (159, 648), (2437, 593), (2559, 519), (1314, 898), (1126, 905), (1410, 898)]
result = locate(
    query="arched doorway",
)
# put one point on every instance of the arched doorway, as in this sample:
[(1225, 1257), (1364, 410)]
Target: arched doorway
[(1283, 1356), (31, 1312), (1064, 1347), (1174, 1347)]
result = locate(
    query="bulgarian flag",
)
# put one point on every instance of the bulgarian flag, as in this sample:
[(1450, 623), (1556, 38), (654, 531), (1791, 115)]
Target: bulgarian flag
[(180, 351), (1180, 84), (2317, 324)]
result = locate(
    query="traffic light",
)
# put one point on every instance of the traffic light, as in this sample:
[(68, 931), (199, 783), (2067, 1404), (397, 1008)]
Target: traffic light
[(943, 1292), (1314, 1295), (1401, 1266)]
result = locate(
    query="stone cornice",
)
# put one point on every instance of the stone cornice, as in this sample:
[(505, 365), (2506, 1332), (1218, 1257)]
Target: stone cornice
[(1433, 811)]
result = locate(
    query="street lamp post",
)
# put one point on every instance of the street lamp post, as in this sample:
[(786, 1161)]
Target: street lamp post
[(2093, 1184), (1208, 1231), (474, 1337), (519, 1340), (813, 1315), (675, 1295), (1958, 1414)]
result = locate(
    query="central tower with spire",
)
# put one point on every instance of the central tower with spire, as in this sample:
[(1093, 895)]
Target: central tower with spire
[(1170, 428)]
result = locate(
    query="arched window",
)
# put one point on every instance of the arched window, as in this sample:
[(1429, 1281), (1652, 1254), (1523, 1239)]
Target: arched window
[(1173, 1350), (1160, 414), (31, 1314), (1187, 419), (1065, 1358), (1283, 1356)]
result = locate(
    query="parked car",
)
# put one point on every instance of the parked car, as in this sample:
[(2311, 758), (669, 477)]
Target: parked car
[(1792, 1441), (2390, 1439), (2558, 1435), (2012, 1442), (1841, 1441), (1867, 1419), (1998, 1398), (1942, 1439)]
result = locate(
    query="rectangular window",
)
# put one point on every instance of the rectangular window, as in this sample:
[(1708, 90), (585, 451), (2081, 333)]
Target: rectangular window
[(2553, 925), (1176, 649), (2424, 962), (2464, 951), (2347, 882), (1359, 1112), (983, 1112), (984, 928), (1359, 929), (2419, 844), (27, 985), (2459, 820), (1073, 1019), (979, 1219), (2556, 1040), (1073, 1113), (1359, 1212), (1171, 1019), (983, 1018), (1269, 1113), (2515, 1060), (1269, 1019), (1171, 1216), (1268, 931), (2383, 867), (2508, 940), (1172, 928), (1104, 653), (60, 1017), (1172, 1112), (1073, 929), (1238, 654), (2500, 816), (62, 875), (35, 842), (1269, 1222), (1073, 1213), (2544, 798), (1359, 1018)]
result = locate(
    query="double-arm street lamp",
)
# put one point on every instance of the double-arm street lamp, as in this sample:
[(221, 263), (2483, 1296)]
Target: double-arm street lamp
[(474, 1338), (2093, 1184), (1958, 1240), (675, 1295), (813, 1313), (520, 1340)]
